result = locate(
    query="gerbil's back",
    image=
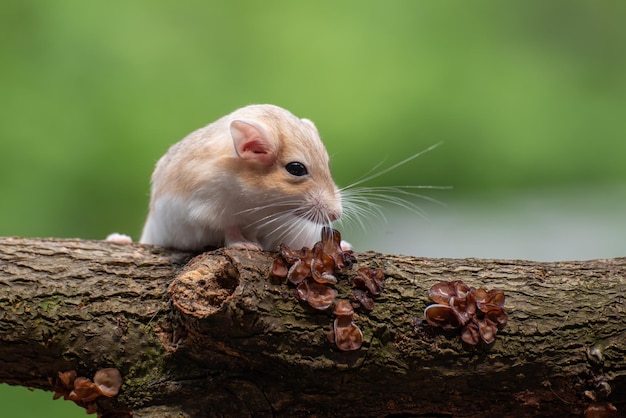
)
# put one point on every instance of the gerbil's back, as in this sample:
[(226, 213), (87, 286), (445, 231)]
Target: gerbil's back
[(193, 156)]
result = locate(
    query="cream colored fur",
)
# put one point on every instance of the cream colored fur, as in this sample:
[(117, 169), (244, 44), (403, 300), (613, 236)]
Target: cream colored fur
[(227, 185)]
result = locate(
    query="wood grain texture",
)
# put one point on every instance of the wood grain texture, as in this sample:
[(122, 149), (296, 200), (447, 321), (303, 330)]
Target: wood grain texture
[(221, 337)]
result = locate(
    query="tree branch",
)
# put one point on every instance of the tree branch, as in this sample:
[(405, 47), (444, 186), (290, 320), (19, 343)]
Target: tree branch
[(227, 339)]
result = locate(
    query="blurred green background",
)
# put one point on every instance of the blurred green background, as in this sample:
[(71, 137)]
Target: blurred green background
[(529, 98)]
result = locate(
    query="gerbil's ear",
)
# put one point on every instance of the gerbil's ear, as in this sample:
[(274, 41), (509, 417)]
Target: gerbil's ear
[(252, 143)]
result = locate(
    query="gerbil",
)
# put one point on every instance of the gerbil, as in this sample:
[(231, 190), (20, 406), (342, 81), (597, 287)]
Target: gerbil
[(253, 179)]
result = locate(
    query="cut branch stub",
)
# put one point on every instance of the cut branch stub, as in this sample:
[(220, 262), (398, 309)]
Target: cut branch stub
[(203, 286), (223, 306)]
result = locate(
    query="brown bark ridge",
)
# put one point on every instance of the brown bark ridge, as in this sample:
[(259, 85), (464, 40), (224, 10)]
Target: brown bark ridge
[(220, 337)]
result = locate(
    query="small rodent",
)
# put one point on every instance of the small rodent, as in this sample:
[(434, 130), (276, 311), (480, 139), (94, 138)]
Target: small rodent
[(254, 179)]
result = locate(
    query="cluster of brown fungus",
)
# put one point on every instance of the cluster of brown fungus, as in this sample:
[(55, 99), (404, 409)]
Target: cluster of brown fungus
[(313, 272), (83, 391), (367, 284), (478, 313)]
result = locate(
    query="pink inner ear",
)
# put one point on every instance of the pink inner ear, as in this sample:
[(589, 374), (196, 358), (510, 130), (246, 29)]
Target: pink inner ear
[(256, 147), (252, 143)]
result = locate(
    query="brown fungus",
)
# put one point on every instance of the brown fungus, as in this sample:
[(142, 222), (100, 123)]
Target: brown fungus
[(443, 291), (368, 283), (67, 378), (279, 268), (63, 384), (369, 279), (109, 381), (600, 410), (317, 295), (470, 334), (348, 337), (481, 295), (345, 333), (313, 270), (322, 266), (343, 308), (497, 314), (346, 260), (362, 299), (299, 271), (494, 297), (464, 309), (290, 256), (487, 330), (85, 391), (477, 312), (321, 262), (331, 239), (439, 315)]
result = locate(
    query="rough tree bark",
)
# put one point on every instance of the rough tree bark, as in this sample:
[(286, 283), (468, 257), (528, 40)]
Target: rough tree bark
[(238, 342)]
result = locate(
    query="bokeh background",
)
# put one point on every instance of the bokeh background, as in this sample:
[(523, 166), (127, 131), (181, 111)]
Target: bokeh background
[(528, 98)]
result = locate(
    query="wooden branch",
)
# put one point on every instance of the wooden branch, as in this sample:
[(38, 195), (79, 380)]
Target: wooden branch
[(228, 340)]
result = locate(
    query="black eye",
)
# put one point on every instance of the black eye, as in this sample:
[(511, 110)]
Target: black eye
[(297, 169)]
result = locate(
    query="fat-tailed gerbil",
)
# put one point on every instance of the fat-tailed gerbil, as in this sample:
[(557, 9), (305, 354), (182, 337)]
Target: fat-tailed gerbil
[(255, 178)]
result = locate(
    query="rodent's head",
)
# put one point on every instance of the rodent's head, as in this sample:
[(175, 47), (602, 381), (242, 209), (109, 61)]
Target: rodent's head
[(284, 164)]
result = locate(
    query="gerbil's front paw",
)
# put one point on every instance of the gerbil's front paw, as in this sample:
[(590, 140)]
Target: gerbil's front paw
[(247, 245), (233, 238)]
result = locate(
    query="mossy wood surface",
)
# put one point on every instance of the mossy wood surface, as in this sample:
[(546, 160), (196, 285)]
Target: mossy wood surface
[(220, 337)]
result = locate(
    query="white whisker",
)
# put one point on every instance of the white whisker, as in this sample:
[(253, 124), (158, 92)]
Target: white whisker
[(401, 190), (368, 202), (281, 219), (359, 205), (393, 167), (276, 203), (269, 219)]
